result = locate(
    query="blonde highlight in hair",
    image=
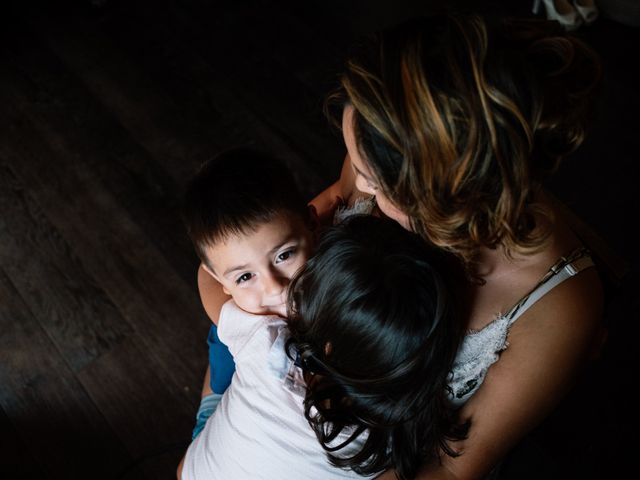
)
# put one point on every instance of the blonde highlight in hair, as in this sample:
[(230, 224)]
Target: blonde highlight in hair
[(460, 118)]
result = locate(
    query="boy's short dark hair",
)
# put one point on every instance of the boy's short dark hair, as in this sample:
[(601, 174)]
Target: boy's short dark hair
[(234, 193)]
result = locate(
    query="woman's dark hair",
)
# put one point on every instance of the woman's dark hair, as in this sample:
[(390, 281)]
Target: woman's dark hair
[(461, 116), (234, 193), (374, 322)]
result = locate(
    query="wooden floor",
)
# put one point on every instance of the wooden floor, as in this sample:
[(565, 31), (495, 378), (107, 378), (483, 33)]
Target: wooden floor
[(107, 108)]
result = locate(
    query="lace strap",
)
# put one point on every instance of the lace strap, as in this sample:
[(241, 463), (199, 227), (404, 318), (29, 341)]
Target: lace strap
[(563, 269)]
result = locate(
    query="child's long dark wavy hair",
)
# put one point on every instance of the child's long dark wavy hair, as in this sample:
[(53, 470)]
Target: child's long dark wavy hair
[(373, 320)]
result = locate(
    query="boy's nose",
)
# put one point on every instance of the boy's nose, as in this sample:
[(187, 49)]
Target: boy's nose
[(274, 284)]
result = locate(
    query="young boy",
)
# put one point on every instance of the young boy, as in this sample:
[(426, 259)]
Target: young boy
[(338, 379), (244, 205)]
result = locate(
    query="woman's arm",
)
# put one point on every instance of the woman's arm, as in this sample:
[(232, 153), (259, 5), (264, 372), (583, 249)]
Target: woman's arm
[(211, 294), (547, 348), (206, 383), (337, 194), (220, 366), (179, 469)]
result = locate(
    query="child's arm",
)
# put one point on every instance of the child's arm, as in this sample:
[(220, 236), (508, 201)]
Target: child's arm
[(221, 365)]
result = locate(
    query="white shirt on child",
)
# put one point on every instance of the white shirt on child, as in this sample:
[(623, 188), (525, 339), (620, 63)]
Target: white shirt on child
[(259, 430)]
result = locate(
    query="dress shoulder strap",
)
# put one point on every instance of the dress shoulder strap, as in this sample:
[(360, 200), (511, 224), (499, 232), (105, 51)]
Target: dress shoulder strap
[(564, 268)]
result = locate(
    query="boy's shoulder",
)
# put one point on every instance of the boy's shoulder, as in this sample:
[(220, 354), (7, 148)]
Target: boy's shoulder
[(238, 328)]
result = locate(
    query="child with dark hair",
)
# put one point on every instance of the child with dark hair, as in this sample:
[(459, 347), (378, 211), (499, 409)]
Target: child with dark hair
[(371, 317), (244, 201)]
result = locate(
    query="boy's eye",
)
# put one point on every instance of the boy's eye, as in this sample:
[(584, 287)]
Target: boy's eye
[(285, 255), (245, 277)]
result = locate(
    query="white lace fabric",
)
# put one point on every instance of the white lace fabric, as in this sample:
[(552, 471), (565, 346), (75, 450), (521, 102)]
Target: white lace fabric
[(481, 348)]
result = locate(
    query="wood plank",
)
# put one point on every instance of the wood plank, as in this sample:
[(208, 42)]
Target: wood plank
[(178, 138), (110, 246), (69, 114), (293, 47), (45, 403), (45, 273), (120, 392), (75, 312), (15, 458), (248, 71), (114, 77), (217, 83), (150, 416)]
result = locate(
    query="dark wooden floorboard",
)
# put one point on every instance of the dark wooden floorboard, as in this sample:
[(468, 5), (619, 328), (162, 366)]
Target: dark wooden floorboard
[(108, 107), (120, 79), (14, 453), (46, 404), (112, 248), (166, 85), (73, 310), (139, 404), (239, 74), (145, 189)]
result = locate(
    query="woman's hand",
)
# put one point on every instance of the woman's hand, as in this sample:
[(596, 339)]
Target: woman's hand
[(325, 204), (340, 193)]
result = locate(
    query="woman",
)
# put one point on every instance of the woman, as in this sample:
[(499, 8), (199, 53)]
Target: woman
[(451, 124)]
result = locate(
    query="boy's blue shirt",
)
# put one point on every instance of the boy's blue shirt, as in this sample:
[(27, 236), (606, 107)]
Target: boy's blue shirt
[(220, 362)]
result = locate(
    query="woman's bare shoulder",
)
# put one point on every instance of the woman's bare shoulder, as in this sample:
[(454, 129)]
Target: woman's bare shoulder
[(570, 312)]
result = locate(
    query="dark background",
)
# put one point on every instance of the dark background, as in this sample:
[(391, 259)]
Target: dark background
[(107, 108)]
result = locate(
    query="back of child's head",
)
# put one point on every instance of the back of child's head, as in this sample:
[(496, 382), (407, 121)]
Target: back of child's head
[(234, 193), (373, 318)]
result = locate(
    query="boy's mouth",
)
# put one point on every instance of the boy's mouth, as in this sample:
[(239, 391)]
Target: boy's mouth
[(280, 310)]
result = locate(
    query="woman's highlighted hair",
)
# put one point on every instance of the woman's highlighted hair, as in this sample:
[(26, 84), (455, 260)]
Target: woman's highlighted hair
[(460, 117)]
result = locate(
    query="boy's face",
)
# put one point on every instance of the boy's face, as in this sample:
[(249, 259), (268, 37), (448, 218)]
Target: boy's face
[(256, 268)]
